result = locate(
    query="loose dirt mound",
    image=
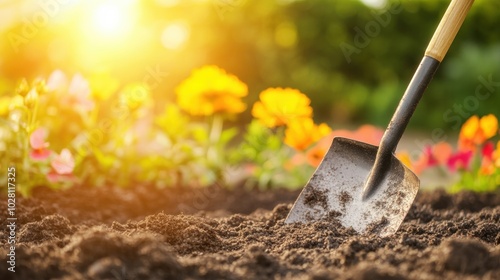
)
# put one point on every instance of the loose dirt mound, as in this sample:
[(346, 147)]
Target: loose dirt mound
[(139, 234)]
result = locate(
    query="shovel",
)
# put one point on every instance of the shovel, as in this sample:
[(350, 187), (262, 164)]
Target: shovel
[(366, 187)]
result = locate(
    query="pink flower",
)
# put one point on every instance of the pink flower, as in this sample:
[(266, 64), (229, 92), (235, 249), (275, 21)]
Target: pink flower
[(62, 167), (460, 160), (53, 177), (75, 93), (38, 145), (63, 163), (79, 91)]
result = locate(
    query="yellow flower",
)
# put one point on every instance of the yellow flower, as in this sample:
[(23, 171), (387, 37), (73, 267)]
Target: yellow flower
[(23, 88), (301, 133), (135, 95), (476, 131), (103, 85), (8, 103), (31, 98), (278, 106), (210, 90), (4, 105)]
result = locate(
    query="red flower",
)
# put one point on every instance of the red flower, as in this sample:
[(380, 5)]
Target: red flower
[(488, 161), (488, 150)]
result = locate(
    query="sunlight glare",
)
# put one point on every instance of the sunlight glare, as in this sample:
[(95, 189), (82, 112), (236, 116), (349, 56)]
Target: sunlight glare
[(112, 18), (175, 35)]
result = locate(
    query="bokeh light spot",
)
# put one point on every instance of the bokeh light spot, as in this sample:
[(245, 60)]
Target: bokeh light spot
[(286, 34), (175, 35)]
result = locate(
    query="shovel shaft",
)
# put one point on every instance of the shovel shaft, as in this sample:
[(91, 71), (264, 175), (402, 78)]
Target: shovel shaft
[(408, 104), (436, 50), (398, 123)]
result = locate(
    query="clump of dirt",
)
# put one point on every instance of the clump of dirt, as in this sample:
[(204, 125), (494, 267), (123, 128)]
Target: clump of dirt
[(315, 196), (438, 239), (377, 227), (344, 198)]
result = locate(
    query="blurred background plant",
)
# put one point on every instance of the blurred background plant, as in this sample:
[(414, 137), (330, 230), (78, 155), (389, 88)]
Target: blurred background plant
[(131, 85), (198, 143), (189, 143), (476, 156), (297, 43)]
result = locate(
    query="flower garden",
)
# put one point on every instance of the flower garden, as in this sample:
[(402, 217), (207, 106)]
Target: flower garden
[(108, 177), (186, 157), (194, 140)]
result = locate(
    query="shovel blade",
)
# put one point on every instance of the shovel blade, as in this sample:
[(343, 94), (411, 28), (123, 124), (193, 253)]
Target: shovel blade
[(336, 191)]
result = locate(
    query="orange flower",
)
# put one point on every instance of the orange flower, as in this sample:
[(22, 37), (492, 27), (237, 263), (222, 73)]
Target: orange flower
[(491, 158), (315, 155), (301, 133), (476, 131), (210, 90), (365, 133), (487, 167), (278, 106), (496, 155)]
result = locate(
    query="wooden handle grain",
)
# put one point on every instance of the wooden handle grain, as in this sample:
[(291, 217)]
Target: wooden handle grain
[(448, 28)]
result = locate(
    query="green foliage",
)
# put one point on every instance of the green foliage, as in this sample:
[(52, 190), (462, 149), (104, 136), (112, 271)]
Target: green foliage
[(267, 160), (367, 88), (477, 182), (298, 44)]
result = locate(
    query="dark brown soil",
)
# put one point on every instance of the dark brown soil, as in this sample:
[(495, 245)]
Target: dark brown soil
[(139, 233)]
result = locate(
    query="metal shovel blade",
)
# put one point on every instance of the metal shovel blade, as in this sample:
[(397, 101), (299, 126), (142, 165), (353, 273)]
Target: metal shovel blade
[(336, 191)]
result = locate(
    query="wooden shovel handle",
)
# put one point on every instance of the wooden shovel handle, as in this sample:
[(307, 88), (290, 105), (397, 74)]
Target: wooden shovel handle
[(448, 28)]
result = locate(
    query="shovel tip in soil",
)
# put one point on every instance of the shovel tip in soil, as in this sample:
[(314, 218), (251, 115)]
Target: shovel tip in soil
[(337, 187)]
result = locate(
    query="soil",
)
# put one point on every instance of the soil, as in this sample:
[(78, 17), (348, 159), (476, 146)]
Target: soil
[(214, 233)]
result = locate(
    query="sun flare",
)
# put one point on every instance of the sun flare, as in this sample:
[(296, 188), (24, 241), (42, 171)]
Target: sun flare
[(111, 19)]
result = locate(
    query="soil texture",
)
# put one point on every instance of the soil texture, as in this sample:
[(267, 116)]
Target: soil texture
[(214, 233)]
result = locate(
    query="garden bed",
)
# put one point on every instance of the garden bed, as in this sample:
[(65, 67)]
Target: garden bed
[(139, 233)]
